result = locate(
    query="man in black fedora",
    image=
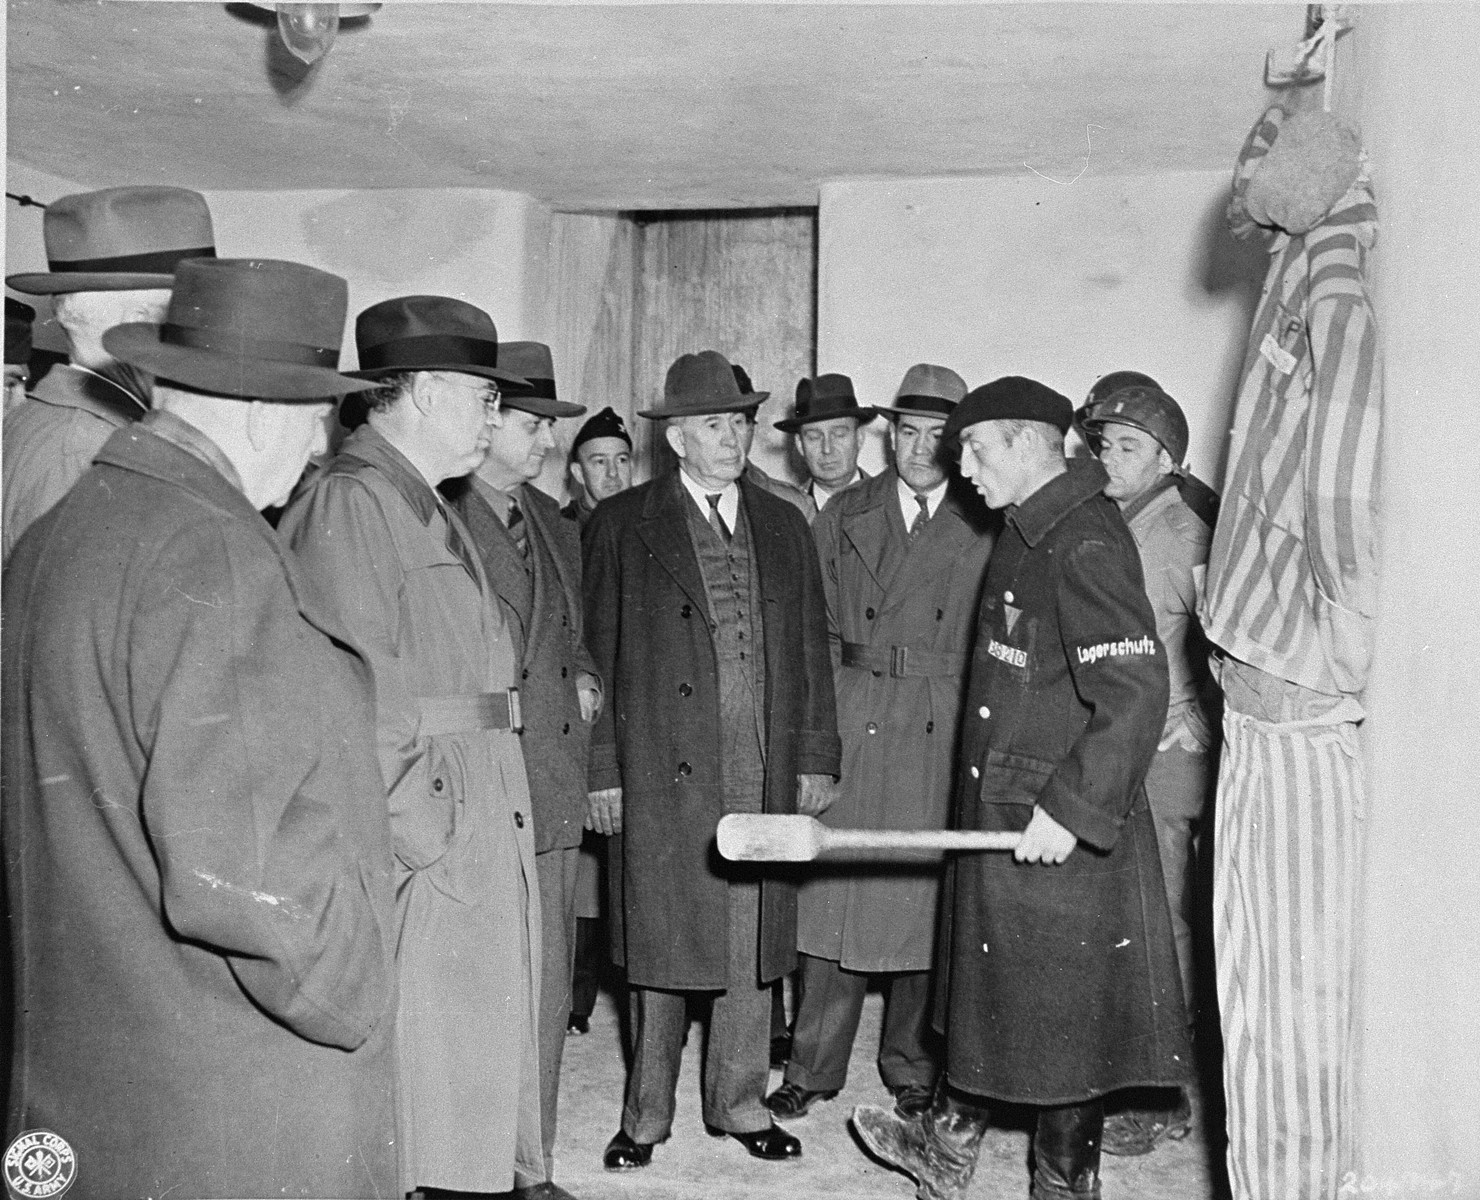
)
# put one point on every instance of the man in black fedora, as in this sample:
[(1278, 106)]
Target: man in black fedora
[(112, 254), (196, 843), (704, 612), (794, 496), (828, 426), (375, 535), (532, 558)]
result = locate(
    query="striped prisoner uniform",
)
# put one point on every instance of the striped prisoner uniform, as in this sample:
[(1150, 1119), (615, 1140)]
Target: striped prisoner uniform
[(1290, 600)]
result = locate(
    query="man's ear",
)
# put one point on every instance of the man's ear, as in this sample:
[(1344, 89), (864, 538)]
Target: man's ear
[(1164, 462), (576, 477), (261, 424), (675, 439), (425, 394)]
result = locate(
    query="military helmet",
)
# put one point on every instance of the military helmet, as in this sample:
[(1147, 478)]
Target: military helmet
[(1146, 408)]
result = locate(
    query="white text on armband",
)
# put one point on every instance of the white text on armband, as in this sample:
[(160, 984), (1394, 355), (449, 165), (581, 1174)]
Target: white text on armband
[(1008, 654), (1123, 648)]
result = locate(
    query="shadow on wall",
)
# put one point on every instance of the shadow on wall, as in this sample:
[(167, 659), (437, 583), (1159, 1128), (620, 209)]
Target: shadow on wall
[(1230, 266)]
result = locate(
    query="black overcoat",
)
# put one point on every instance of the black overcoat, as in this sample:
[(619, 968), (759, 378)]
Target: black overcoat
[(1062, 981), (648, 628)]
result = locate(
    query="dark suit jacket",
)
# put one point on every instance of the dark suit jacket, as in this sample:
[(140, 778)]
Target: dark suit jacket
[(649, 629), (551, 649)]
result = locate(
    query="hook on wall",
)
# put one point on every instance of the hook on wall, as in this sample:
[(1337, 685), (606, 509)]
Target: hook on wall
[(1314, 58)]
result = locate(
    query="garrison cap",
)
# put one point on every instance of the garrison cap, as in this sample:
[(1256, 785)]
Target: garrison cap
[(605, 424)]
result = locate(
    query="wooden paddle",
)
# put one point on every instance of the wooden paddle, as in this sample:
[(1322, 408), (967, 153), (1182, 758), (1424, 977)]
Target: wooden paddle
[(762, 837)]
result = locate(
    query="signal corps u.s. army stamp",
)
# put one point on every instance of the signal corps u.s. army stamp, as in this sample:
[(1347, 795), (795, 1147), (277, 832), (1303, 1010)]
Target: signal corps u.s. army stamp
[(38, 1165)]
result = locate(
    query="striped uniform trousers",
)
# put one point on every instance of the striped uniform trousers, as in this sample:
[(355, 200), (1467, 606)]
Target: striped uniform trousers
[(1286, 853)]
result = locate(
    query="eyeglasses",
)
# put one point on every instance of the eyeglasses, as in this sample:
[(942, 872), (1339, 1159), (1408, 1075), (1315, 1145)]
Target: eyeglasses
[(487, 392)]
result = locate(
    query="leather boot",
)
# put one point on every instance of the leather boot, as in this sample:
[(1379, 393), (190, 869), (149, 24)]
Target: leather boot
[(1066, 1152), (938, 1148)]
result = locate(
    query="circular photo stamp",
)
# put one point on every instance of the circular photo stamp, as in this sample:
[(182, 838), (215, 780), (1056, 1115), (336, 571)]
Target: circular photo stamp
[(39, 1164)]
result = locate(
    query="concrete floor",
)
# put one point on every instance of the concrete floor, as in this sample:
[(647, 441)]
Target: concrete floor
[(692, 1165)]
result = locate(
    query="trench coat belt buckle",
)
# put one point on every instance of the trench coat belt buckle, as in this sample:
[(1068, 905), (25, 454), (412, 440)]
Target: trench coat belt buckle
[(904, 662), (469, 712)]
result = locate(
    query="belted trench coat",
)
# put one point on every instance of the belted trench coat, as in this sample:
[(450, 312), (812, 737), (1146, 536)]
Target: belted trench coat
[(373, 534), (901, 617)]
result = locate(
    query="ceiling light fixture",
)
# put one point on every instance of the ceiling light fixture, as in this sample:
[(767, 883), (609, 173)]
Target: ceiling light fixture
[(308, 30)]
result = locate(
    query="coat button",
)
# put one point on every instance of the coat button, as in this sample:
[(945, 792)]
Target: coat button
[(565, 728), (564, 673), (1007, 596), (685, 769), (685, 689), (940, 614), (518, 820), (975, 773), (984, 712), (877, 674), (869, 613), (438, 785), (929, 726), (872, 728), (686, 612), (525, 674)]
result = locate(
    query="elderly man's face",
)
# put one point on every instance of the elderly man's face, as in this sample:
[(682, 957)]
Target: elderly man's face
[(830, 450), (917, 450), (604, 467), (711, 448), (302, 432)]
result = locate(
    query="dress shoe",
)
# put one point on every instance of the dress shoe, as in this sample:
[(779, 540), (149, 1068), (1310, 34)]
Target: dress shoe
[(1136, 1131), (578, 1024), (773, 1144), (549, 1190), (792, 1100), (623, 1154), (912, 1099), (781, 1049)]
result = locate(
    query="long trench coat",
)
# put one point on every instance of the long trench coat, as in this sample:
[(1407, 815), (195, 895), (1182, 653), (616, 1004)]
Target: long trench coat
[(1061, 981), (658, 737), (898, 718), (373, 534), (196, 848)]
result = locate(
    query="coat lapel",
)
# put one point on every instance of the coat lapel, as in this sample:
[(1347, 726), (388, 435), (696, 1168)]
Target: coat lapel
[(544, 519), (664, 530), (867, 527)]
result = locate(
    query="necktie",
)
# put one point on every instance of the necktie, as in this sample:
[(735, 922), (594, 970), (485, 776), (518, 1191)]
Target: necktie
[(717, 522), (920, 517), (517, 531)]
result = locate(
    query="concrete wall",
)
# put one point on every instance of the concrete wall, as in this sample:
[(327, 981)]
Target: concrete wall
[(1418, 1012), (1063, 281)]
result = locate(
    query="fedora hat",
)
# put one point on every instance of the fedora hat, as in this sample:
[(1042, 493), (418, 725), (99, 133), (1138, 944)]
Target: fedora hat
[(428, 333), (822, 399), (927, 391), (533, 362), (742, 378), (700, 384), (119, 239), (248, 327)]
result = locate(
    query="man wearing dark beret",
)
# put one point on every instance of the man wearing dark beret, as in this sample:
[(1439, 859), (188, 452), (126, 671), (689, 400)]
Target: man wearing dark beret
[(1058, 980)]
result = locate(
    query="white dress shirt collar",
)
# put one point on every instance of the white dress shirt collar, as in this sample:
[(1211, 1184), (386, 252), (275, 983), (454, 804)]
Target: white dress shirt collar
[(729, 499), (909, 507)]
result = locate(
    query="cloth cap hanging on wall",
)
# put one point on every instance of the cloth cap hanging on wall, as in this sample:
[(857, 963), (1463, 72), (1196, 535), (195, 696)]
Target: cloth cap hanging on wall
[(1293, 170)]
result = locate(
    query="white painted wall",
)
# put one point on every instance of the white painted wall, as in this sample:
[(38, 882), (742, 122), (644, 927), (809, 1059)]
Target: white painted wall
[(1025, 276), (1418, 1010)]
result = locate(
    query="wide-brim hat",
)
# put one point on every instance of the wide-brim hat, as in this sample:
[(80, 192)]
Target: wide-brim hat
[(742, 377), (699, 385), (428, 333), (251, 328), (823, 399), (927, 391), (119, 239), (533, 362)]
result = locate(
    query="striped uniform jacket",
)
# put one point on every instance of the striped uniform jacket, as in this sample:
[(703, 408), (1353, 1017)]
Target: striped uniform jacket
[(1291, 573)]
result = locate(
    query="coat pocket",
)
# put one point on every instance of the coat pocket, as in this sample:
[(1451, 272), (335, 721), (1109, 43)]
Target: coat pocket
[(1012, 778), (427, 824)]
